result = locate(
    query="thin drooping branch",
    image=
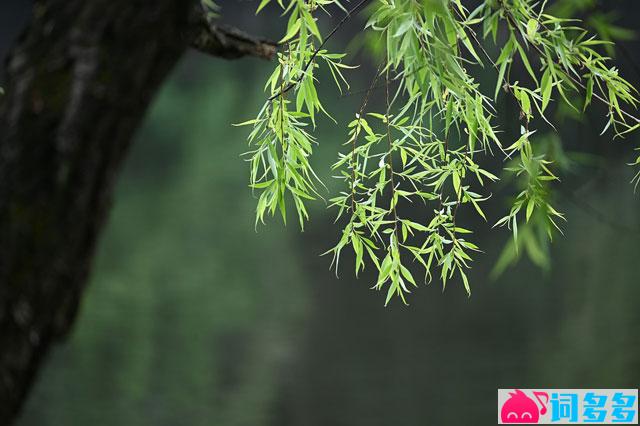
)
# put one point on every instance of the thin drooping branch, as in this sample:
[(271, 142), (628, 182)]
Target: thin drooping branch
[(512, 21), (352, 12)]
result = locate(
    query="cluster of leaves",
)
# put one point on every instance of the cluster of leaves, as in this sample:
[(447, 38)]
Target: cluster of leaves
[(424, 147), (282, 144), (570, 67)]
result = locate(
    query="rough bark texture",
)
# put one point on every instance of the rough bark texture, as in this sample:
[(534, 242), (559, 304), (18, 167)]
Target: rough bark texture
[(79, 82)]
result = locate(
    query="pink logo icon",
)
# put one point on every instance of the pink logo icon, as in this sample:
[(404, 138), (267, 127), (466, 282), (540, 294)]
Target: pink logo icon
[(519, 408)]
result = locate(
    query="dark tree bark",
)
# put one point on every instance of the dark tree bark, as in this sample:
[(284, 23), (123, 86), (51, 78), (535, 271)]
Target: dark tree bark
[(79, 82)]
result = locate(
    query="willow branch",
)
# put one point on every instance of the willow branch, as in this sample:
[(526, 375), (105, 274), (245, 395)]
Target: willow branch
[(354, 10), (226, 41)]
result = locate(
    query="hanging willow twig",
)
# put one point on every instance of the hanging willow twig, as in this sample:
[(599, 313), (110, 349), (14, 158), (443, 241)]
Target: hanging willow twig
[(427, 142)]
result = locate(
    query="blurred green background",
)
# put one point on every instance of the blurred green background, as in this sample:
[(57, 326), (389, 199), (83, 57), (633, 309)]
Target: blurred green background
[(194, 317)]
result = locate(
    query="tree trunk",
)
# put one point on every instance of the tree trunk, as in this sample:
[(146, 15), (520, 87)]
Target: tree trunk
[(78, 84)]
